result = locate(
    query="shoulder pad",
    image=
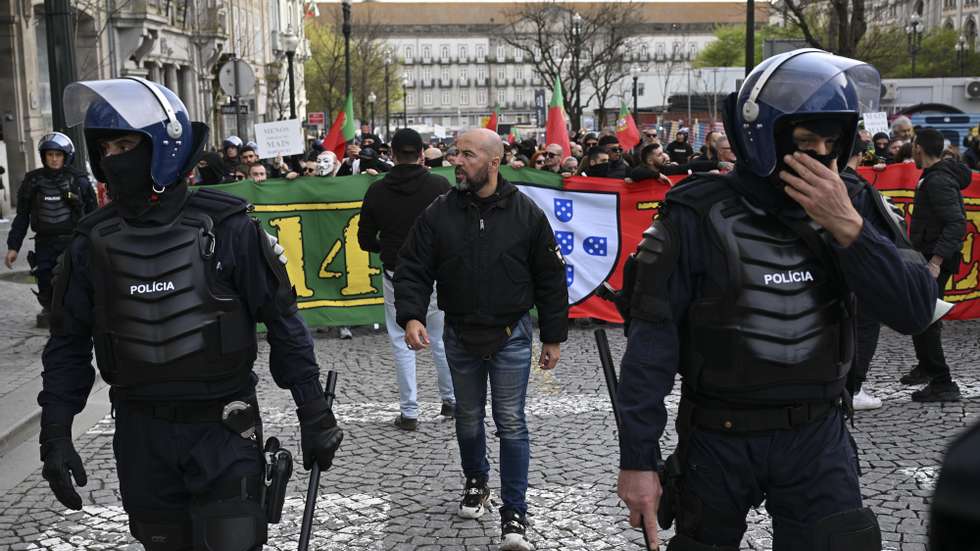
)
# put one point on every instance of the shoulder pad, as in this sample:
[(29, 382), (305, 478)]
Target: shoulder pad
[(216, 204), (95, 218), (701, 191), (655, 259)]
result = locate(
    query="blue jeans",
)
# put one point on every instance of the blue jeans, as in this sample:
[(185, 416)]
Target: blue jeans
[(405, 358), (508, 371)]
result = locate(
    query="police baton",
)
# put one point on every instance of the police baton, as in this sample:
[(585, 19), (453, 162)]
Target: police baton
[(314, 486), (612, 382)]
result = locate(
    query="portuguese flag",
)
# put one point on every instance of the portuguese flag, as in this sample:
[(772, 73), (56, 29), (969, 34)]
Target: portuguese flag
[(555, 129), (626, 130), (492, 120), (513, 136), (342, 130)]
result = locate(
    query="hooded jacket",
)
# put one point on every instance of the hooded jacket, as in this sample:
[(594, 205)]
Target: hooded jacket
[(391, 206), (938, 224)]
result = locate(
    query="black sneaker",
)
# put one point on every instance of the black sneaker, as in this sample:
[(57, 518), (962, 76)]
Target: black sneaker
[(938, 392), (513, 532), (476, 498), (406, 423), (448, 409), (917, 376)]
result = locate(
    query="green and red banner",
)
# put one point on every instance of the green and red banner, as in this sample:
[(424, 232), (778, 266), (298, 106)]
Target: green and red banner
[(342, 130), (597, 223)]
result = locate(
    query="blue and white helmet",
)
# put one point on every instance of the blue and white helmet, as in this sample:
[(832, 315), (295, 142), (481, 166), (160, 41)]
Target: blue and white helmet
[(134, 105), (804, 83), (56, 141), (232, 141)]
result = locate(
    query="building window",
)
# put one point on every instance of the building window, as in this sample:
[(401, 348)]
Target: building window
[(660, 49), (640, 89), (426, 52), (518, 55), (408, 52), (444, 52), (464, 97), (692, 49), (481, 73), (500, 53), (445, 76), (501, 97), (446, 99), (427, 74), (481, 97), (462, 74), (462, 53), (501, 75), (481, 52), (518, 96), (410, 98), (427, 98)]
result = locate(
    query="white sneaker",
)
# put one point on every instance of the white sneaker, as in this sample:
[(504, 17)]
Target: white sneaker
[(864, 401), (345, 333)]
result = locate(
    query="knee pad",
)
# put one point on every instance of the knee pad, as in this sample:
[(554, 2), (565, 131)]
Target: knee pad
[(854, 530), (228, 525), (680, 542), (161, 530)]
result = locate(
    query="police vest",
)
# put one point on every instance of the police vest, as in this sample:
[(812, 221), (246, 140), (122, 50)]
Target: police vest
[(771, 323), (158, 316), (52, 214)]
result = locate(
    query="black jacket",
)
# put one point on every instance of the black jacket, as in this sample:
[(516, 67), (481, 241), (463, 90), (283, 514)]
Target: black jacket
[(78, 184), (491, 265), (938, 218), (391, 206)]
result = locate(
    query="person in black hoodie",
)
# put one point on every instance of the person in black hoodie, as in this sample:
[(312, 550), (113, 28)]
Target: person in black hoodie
[(388, 213), (492, 252), (937, 230)]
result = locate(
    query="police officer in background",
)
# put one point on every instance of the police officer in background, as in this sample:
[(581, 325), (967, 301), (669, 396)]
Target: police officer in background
[(169, 283), (51, 200), (746, 285)]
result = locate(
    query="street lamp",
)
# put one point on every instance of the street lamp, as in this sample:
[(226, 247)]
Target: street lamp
[(404, 100), (635, 73), (961, 52), (576, 52), (914, 32), (346, 30), (387, 101), (290, 41), (371, 99)]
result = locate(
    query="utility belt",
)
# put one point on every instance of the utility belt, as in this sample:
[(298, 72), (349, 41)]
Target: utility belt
[(240, 416)]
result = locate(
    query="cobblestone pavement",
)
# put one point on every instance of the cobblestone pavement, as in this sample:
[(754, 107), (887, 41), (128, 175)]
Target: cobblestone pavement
[(397, 490)]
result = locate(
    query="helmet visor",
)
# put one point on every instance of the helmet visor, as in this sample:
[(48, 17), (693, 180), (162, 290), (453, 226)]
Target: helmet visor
[(56, 140), (797, 79), (134, 103)]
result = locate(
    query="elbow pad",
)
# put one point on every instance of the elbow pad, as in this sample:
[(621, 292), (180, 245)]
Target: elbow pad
[(654, 262), (283, 302)]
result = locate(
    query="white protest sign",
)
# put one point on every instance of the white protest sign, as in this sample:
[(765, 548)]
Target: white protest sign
[(875, 122), (279, 138)]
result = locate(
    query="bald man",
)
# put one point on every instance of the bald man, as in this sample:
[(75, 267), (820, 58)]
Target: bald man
[(552, 157), (493, 256)]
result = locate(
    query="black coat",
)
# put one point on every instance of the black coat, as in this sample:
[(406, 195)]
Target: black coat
[(391, 206), (938, 224), (491, 262)]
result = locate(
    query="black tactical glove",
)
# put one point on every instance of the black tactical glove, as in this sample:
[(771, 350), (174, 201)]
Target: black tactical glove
[(319, 435), (60, 458)]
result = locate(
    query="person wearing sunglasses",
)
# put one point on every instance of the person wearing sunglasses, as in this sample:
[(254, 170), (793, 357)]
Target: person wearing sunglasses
[(617, 166), (552, 158)]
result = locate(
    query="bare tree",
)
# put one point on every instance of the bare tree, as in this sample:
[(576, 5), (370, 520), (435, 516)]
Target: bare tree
[(841, 21), (545, 33)]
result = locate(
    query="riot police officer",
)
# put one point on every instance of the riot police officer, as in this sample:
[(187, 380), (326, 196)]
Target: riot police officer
[(169, 282), (231, 156), (52, 199), (746, 285)]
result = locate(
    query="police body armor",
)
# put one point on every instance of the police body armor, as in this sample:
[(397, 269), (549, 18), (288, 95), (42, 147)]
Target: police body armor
[(55, 209), (158, 315), (772, 322)]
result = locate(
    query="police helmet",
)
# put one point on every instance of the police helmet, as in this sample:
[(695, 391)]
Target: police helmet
[(56, 141), (249, 146), (136, 105), (804, 84), (231, 141)]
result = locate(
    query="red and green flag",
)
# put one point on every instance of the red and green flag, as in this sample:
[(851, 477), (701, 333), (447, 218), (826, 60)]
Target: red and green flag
[(492, 120), (342, 130), (555, 129), (626, 131), (513, 136)]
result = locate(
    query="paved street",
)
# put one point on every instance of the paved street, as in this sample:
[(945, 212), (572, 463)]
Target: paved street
[(396, 490)]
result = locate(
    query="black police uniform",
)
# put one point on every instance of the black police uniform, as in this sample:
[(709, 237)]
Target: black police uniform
[(51, 202), (752, 303), (170, 300)]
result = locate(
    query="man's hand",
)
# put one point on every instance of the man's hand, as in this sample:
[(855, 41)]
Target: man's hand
[(61, 464), (9, 260), (821, 193), (320, 437), (292, 175), (416, 337), (640, 490), (935, 265), (550, 354)]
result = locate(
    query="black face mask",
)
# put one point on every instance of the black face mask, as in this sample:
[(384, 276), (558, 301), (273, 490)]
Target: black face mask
[(600, 170), (128, 181)]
